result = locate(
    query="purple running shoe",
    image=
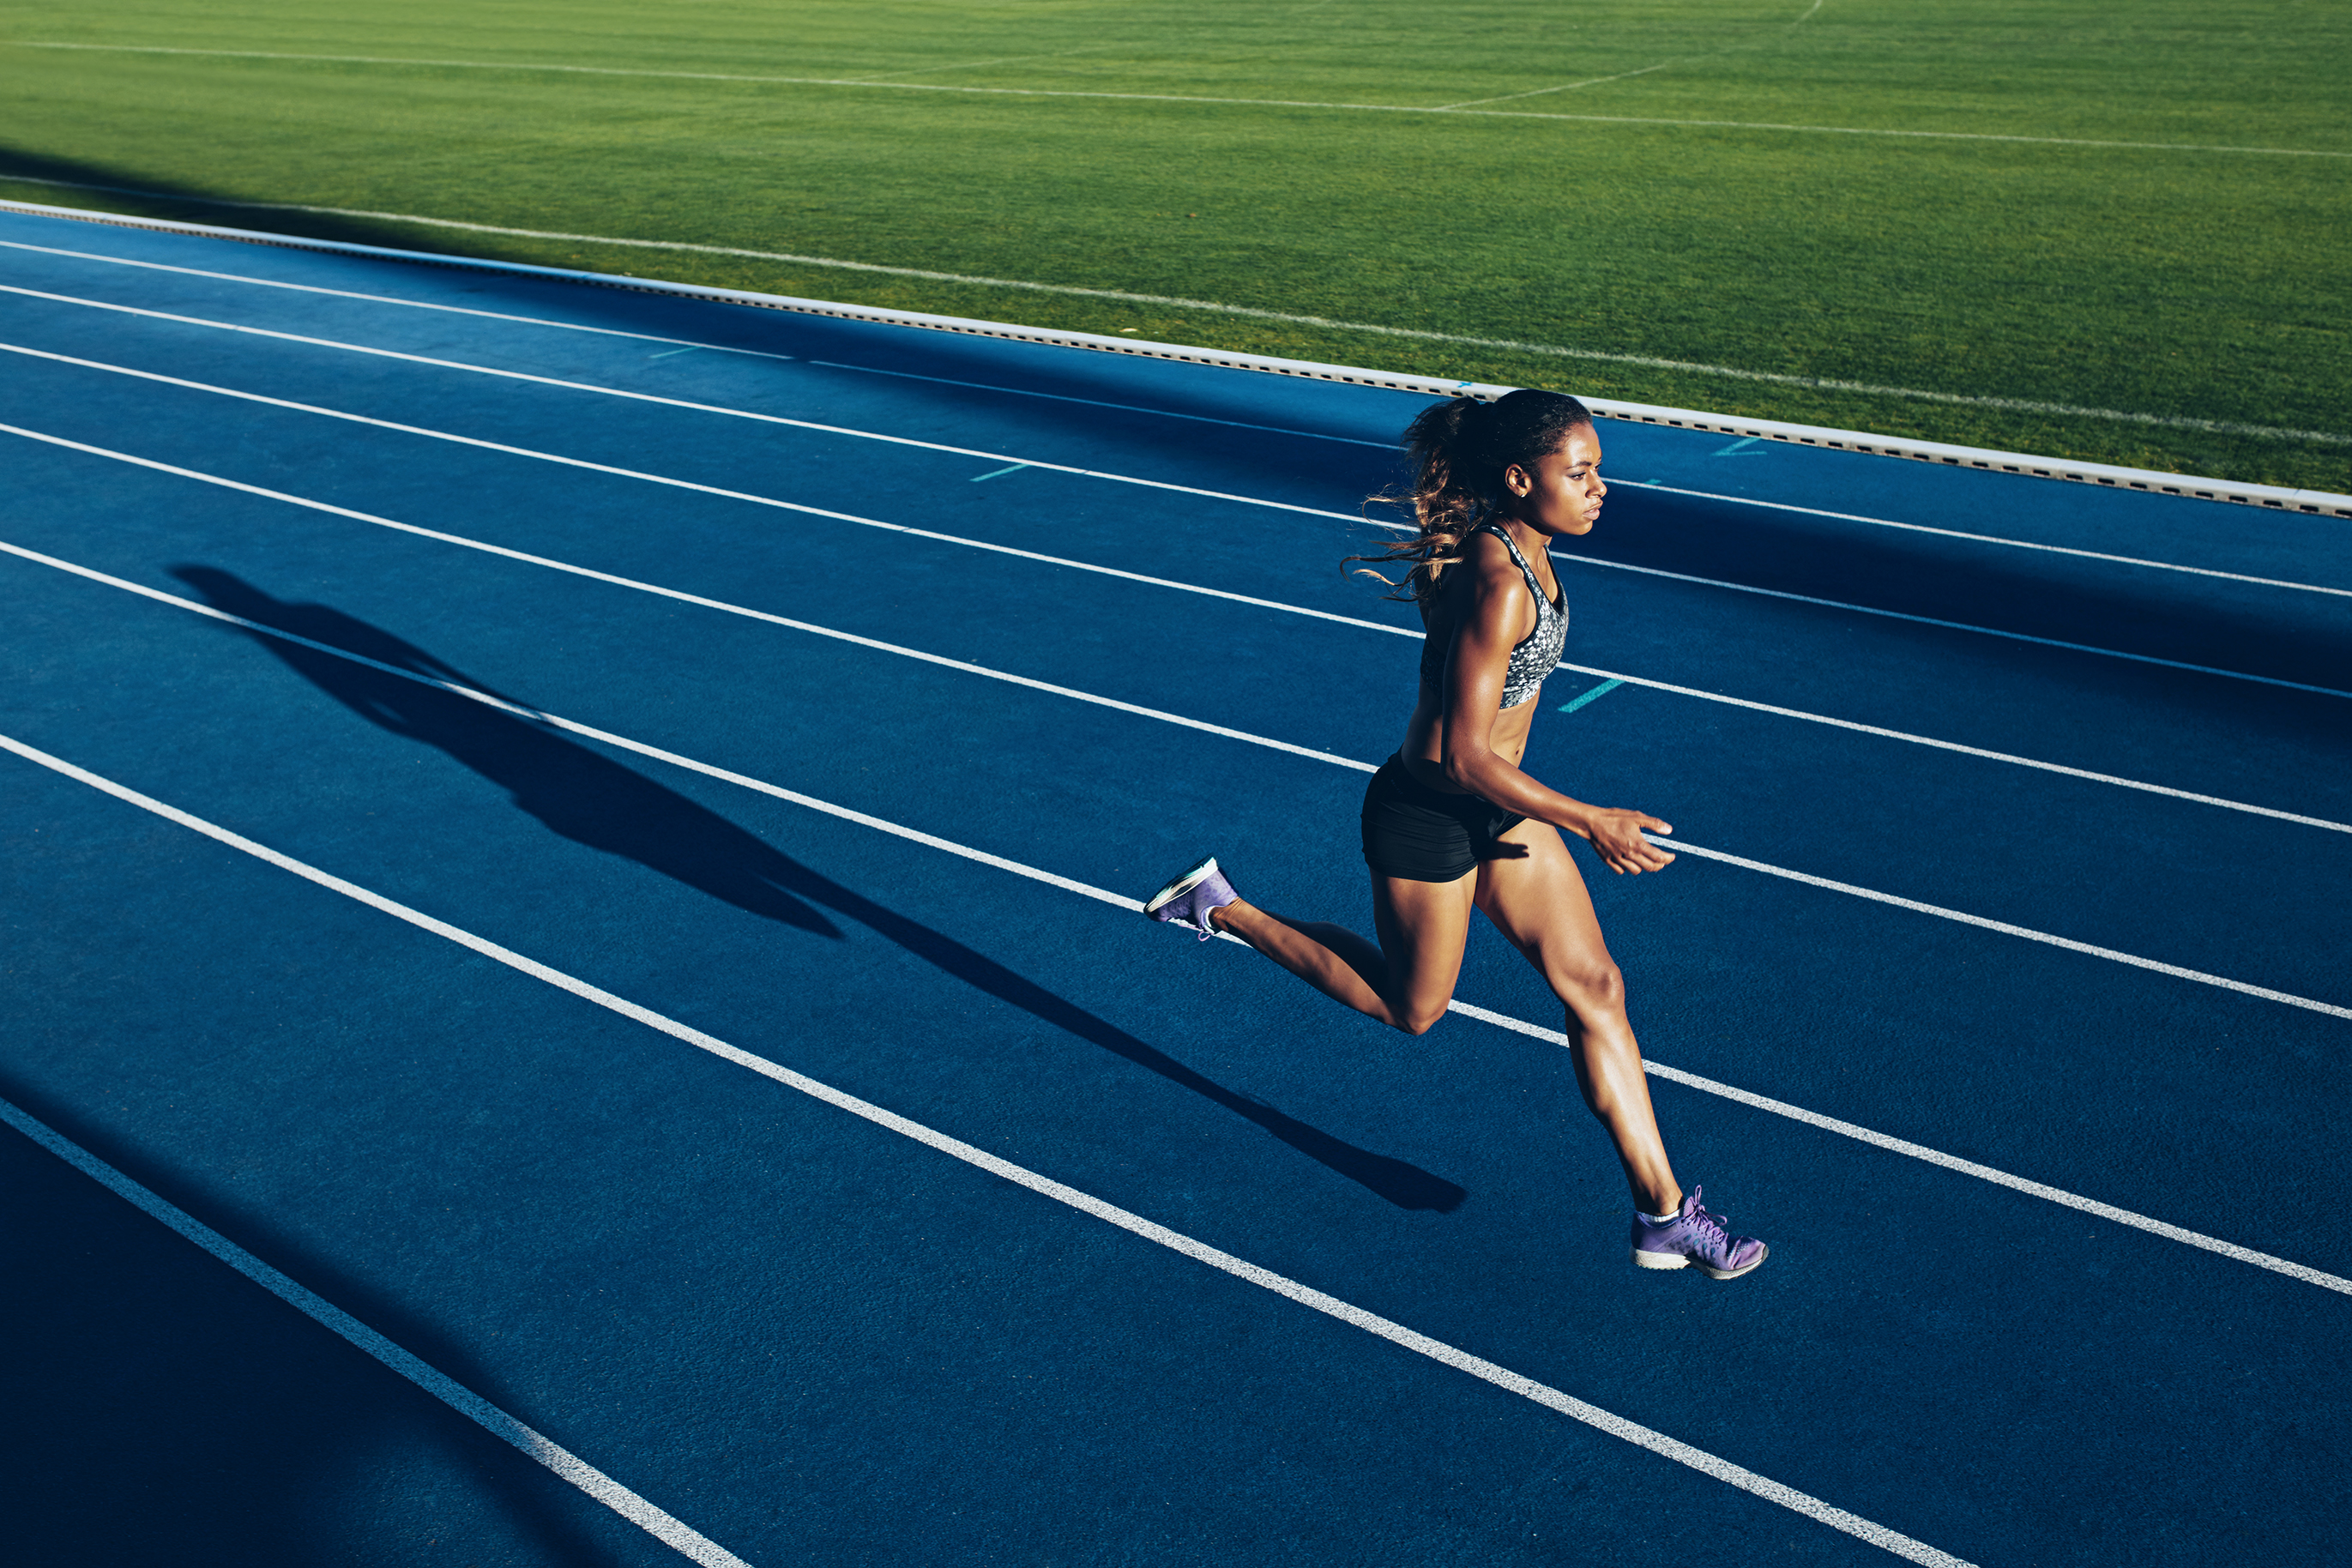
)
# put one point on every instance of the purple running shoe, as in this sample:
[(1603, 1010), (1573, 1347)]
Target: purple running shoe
[(1696, 1239), (1188, 898)]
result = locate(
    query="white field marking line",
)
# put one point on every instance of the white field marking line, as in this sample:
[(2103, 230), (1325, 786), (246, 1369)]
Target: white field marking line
[(2026, 932), (1987, 538), (653, 1521), (686, 404), (1188, 98), (1948, 1162), (960, 66), (1620, 76), (1044, 1187), (1135, 906), (1564, 87), (1773, 709), (383, 299), (1025, 462), (582, 463), (1137, 408), (1098, 403), (1252, 313), (812, 629)]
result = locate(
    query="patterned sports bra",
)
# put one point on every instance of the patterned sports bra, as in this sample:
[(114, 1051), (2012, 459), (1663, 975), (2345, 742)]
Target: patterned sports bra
[(1537, 654)]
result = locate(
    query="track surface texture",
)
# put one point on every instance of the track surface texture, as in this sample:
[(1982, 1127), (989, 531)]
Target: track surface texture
[(815, 1338)]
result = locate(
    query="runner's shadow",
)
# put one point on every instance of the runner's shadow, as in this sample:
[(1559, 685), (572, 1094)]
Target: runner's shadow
[(587, 797)]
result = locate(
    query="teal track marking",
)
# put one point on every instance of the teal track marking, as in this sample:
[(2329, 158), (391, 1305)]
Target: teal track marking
[(1000, 473), (1746, 446), (1603, 689)]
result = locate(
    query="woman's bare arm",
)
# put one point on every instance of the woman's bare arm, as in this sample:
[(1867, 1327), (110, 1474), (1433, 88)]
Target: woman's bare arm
[(1499, 612)]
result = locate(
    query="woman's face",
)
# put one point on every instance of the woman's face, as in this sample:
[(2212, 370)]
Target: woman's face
[(1562, 493)]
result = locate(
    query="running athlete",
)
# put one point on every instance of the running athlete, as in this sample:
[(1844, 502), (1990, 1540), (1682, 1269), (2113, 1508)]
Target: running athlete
[(1451, 823)]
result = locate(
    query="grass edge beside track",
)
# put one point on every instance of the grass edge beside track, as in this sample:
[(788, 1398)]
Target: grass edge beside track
[(2282, 456)]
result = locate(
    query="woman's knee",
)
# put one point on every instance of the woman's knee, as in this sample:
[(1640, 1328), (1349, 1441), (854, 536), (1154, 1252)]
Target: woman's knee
[(1419, 1015), (1589, 988)]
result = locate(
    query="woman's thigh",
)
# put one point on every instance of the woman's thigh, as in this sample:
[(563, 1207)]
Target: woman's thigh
[(1422, 928), (1538, 901)]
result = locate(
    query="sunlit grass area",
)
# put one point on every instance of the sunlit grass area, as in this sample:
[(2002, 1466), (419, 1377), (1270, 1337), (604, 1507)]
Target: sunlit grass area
[(2130, 221)]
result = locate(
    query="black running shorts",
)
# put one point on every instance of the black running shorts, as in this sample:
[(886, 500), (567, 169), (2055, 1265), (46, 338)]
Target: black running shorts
[(1425, 835)]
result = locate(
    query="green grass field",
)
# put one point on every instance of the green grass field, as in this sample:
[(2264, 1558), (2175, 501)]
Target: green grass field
[(2199, 282)]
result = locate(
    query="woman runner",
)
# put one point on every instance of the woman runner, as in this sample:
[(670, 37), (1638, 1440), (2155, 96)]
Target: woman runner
[(1450, 822)]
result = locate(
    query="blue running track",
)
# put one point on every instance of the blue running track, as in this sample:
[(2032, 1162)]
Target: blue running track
[(647, 700)]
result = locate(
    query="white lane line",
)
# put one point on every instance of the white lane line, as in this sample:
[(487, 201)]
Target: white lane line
[(2025, 932), (1354, 518), (1904, 1146), (1951, 626), (1185, 97), (720, 604), (719, 490), (383, 299), (1389, 445), (1098, 403), (2008, 757), (1986, 538), (687, 403), (1251, 313), (656, 337), (1691, 691), (1135, 906), (1175, 1241), (1215, 593), (662, 1526)]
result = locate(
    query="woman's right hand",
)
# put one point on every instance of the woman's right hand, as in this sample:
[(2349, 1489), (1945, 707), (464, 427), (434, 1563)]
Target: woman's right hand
[(1616, 837)]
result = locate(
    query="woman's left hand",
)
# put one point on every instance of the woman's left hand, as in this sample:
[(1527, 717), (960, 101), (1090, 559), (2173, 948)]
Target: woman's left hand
[(1616, 837)]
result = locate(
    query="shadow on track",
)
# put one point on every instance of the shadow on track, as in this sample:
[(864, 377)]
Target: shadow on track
[(1283, 465), (168, 1410), (587, 797)]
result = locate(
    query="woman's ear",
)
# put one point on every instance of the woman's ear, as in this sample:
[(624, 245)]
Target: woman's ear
[(1518, 482)]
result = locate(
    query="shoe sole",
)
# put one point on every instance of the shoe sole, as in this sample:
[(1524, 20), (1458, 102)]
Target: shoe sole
[(1680, 1261), (1182, 886)]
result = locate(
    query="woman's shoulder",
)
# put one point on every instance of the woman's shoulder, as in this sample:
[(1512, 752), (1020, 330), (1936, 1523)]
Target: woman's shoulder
[(1487, 552)]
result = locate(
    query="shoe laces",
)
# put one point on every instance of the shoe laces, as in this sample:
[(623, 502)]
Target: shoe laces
[(1705, 1223)]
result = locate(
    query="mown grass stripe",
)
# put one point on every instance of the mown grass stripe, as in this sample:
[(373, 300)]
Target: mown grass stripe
[(1466, 109)]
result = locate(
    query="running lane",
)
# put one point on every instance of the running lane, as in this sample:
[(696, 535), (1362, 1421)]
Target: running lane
[(793, 1294)]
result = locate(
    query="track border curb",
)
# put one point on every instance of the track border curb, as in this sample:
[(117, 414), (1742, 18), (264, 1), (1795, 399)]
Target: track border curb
[(2273, 498)]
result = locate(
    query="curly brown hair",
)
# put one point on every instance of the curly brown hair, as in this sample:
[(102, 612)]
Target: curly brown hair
[(1460, 451)]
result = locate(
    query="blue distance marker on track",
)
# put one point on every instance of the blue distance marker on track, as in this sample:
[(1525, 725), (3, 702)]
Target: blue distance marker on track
[(1603, 689)]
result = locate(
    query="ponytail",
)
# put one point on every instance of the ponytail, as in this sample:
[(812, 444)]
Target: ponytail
[(1460, 451)]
